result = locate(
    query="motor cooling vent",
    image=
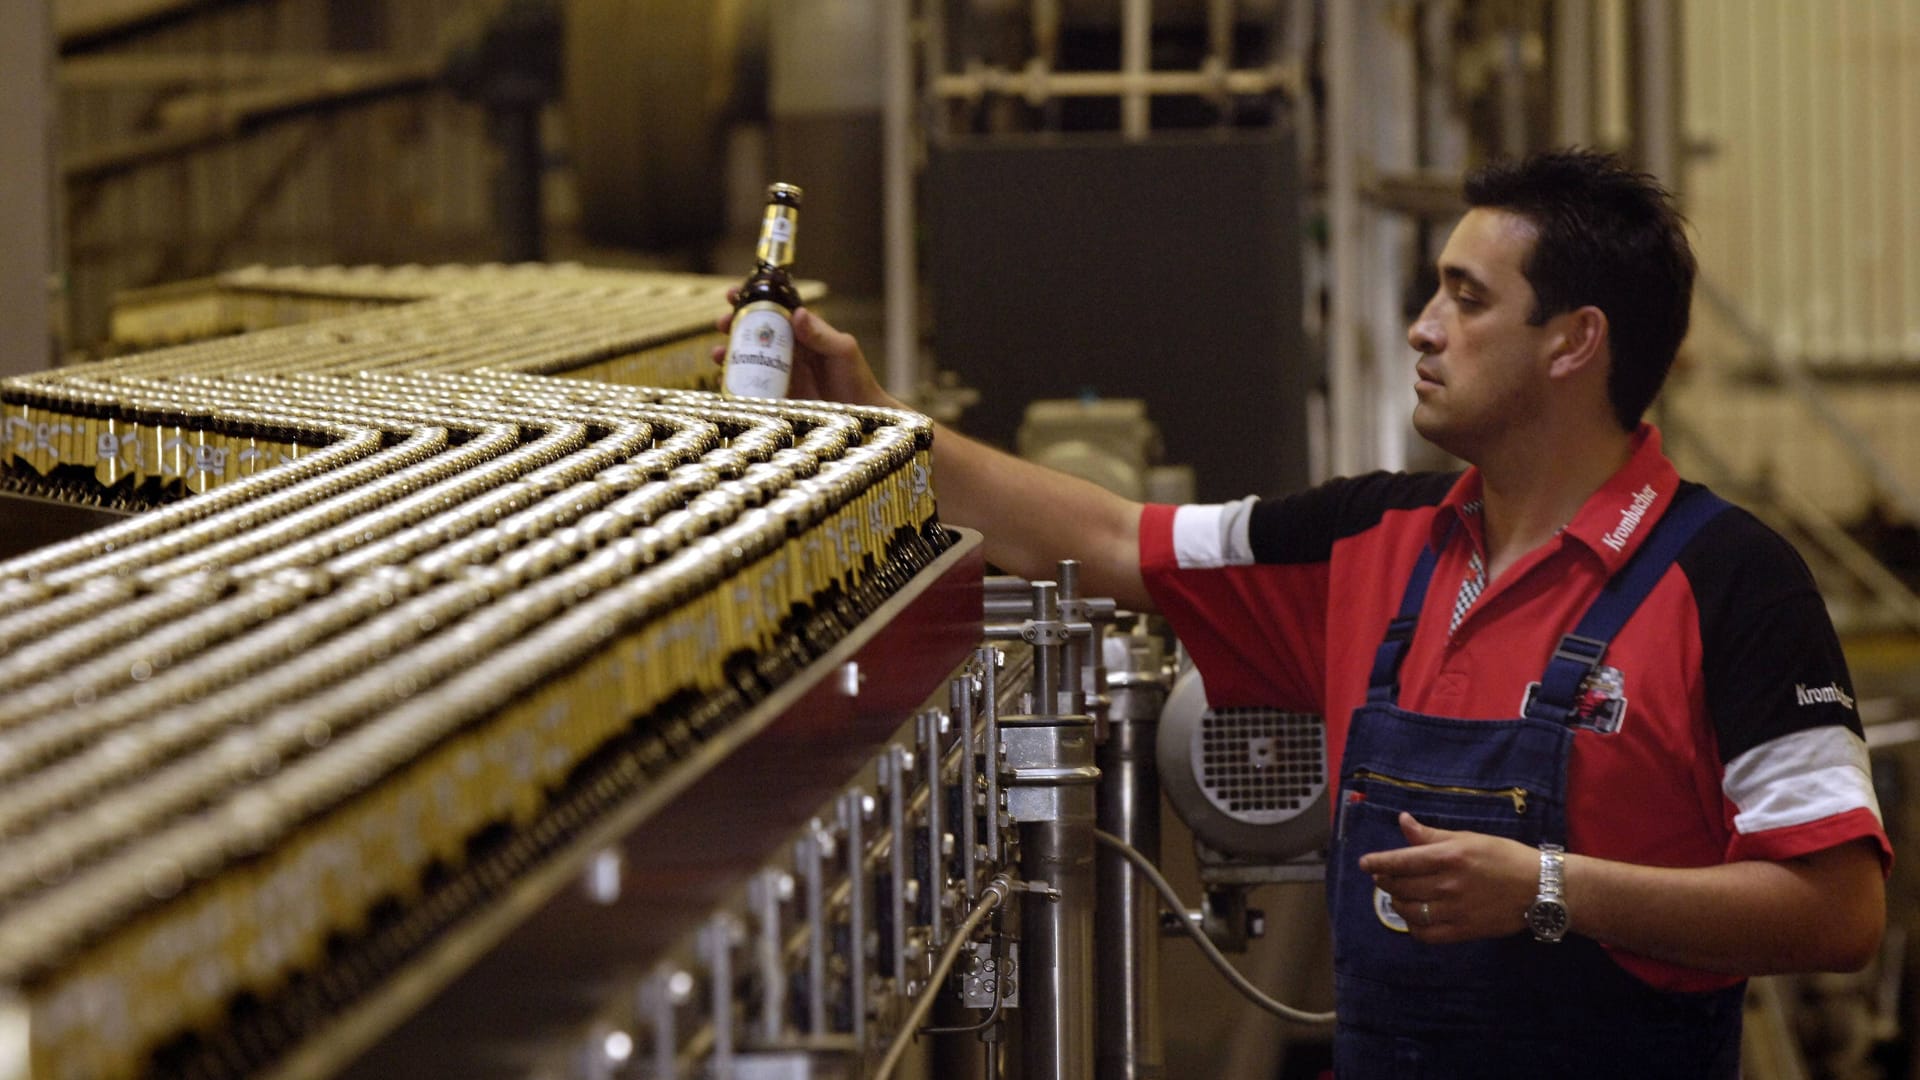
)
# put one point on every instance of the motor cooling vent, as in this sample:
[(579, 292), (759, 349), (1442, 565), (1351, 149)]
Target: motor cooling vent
[(1250, 783), (1261, 766)]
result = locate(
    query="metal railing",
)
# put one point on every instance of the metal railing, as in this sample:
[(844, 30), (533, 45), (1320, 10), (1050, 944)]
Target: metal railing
[(1802, 515)]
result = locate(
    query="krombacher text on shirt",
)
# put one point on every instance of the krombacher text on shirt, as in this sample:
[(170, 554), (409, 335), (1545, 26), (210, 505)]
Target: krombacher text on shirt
[(760, 353)]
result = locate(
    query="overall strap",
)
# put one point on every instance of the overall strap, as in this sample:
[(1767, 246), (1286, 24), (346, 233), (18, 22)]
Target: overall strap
[(1580, 652), (1383, 685)]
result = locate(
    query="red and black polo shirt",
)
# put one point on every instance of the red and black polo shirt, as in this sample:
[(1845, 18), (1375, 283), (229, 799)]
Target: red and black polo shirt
[(1725, 729)]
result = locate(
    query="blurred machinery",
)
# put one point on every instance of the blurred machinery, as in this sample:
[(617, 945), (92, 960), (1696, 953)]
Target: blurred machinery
[(514, 71), (1120, 263), (1109, 442), (1157, 151)]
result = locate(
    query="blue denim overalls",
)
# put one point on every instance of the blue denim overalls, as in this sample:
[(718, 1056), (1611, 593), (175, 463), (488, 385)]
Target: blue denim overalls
[(1509, 1006)]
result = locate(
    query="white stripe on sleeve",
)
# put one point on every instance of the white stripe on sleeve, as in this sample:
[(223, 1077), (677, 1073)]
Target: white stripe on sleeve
[(1209, 537), (1800, 778)]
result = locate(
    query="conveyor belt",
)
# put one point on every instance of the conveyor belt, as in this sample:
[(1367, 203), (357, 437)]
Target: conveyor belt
[(404, 615)]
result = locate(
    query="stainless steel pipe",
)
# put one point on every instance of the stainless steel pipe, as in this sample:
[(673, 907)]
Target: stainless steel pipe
[(1131, 1038), (1050, 777)]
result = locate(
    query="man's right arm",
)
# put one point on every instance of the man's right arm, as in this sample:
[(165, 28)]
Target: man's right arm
[(1031, 516)]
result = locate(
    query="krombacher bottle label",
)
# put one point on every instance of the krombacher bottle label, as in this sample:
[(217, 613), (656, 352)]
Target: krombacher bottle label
[(760, 353)]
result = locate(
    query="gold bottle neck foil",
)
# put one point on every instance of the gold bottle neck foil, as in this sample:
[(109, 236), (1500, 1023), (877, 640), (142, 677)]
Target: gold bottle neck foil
[(777, 235)]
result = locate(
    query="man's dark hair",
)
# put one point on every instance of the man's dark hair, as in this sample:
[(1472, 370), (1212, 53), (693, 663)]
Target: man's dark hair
[(1606, 236)]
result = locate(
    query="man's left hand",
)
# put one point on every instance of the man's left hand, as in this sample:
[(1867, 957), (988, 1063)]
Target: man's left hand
[(1457, 886)]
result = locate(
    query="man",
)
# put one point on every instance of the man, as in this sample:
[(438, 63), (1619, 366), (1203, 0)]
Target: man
[(1596, 744)]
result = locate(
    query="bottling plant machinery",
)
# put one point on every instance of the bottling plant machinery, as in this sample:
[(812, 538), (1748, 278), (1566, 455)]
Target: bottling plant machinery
[(470, 693)]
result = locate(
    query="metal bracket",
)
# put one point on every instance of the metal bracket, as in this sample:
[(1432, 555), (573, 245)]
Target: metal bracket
[(1052, 632), (982, 971), (1227, 920), (1038, 888)]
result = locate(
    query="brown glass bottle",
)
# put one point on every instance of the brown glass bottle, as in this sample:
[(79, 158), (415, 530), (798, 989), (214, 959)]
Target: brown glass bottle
[(760, 351)]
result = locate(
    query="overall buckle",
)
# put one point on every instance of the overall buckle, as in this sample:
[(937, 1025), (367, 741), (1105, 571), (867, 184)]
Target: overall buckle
[(1580, 650)]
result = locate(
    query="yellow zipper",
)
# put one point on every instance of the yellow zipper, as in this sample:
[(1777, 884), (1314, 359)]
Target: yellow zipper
[(1516, 795)]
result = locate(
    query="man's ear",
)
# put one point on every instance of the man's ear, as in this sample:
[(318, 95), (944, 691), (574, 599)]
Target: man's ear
[(1580, 342)]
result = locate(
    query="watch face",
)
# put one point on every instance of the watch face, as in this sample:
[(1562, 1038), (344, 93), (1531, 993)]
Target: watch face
[(1547, 919)]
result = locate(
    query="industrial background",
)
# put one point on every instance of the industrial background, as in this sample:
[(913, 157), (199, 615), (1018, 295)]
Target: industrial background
[(1172, 245)]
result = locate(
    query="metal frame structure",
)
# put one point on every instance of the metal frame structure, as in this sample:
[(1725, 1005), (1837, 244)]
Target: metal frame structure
[(892, 897), (921, 81)]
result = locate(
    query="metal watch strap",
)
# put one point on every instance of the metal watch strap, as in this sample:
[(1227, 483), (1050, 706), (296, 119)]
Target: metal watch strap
[(1553, 863)]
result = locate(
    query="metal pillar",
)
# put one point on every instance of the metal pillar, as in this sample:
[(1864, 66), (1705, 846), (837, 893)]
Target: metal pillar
[(517, 187), (903, 335), (1346, 370), (29, 200), (1656, 102), (1573, 73), (1136, 47), (1050, 777), (514, 71), (1126, 921)]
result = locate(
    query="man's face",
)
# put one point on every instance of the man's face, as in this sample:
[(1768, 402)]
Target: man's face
[(1482, 368)]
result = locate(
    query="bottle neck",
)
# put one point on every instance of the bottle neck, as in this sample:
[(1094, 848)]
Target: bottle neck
[(777, 230)]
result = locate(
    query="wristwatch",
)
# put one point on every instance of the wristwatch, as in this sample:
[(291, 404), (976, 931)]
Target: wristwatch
[(1547, 915)]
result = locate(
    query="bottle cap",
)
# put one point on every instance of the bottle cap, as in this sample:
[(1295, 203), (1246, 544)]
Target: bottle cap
[(783, 192)]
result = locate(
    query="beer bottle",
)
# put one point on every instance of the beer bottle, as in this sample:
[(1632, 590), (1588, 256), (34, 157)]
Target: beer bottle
[(760, 352)]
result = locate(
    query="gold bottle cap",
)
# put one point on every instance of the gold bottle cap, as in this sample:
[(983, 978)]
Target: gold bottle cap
[(776, 192)]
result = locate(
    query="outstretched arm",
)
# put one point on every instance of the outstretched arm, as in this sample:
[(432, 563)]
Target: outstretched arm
[(1031, 516), (1824, 911)]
